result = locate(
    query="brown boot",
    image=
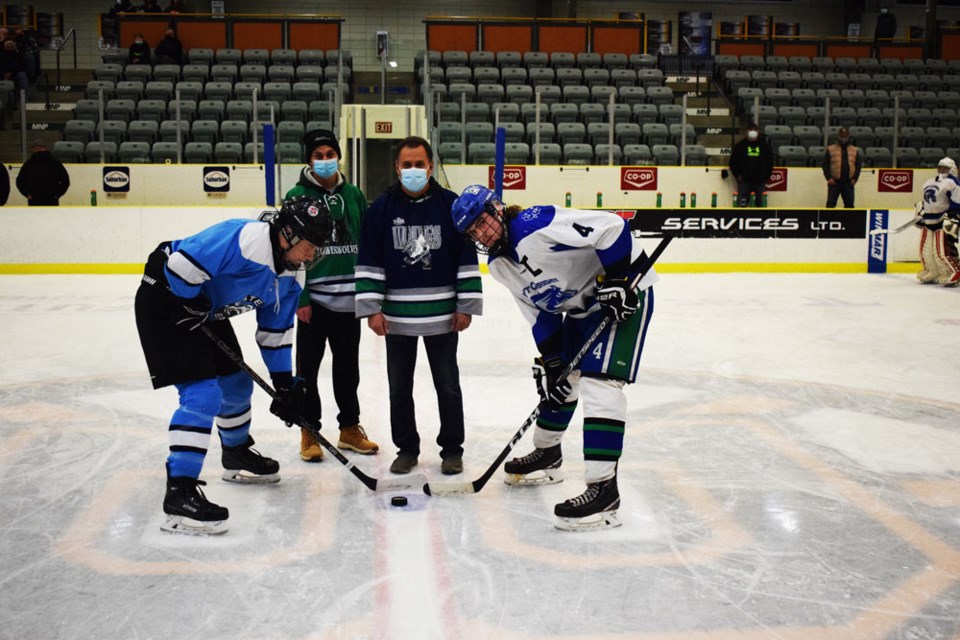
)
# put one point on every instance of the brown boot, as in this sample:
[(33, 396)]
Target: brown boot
[(355, 439), (310, 449)]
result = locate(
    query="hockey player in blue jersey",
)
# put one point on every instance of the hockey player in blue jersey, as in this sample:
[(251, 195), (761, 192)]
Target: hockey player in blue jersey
[(231, 267), (566, 268)]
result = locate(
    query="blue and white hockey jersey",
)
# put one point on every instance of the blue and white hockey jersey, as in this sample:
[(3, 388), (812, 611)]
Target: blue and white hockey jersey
[(556, 255), (232, 264), (940, 195)]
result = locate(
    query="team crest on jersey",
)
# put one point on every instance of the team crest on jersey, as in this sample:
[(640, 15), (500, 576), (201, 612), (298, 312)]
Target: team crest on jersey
[(249, 303), (529, 214), (551, 298)]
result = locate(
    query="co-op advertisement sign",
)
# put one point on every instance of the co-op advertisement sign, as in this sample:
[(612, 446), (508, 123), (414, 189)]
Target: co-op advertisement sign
[(514, 177), (895, 180), (777, 180), (638, 178)]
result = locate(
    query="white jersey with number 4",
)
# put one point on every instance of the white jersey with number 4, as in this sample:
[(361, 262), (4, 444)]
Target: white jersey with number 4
[(555, 256)]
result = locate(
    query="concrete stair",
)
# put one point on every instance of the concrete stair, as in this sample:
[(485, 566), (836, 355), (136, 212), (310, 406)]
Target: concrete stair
[(41, 122)]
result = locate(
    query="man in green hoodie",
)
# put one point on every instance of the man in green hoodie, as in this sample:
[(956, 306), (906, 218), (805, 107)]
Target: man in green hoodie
[(326, 311)]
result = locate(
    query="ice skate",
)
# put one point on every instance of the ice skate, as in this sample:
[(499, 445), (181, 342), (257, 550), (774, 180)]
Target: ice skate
[(595, 508), (927, 277), (540, 466), (189, 512), (246, 466)]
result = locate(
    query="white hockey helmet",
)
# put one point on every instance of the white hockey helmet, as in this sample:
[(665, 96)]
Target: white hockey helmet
[(949, 164)]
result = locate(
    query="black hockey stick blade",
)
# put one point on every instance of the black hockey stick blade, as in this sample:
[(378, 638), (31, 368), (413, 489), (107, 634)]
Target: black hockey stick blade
[(406, 483), (461, 488)]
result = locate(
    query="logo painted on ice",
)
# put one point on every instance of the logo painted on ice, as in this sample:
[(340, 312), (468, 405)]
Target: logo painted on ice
[(513, 177), (638, 178)]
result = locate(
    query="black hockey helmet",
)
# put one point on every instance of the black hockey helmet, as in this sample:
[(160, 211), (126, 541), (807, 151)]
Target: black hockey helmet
[(305, 218), (301, 218)]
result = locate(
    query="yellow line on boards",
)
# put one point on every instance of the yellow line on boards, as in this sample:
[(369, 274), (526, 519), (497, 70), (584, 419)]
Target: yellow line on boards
[(68, 268)]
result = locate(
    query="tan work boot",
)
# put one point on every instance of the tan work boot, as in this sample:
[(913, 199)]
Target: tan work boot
[(310, 449), (355, 439)]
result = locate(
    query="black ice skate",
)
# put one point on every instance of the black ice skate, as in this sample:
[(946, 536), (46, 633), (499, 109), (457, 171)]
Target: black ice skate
[(188, 510), (246, 466), (540, 466), (595, 508)]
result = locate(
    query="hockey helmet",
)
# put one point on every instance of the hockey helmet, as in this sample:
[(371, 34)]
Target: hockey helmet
[(306, 218), (949, 164), (474, 201)]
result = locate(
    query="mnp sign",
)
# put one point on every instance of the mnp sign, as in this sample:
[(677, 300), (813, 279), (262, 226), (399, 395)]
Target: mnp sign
[(877, 247)]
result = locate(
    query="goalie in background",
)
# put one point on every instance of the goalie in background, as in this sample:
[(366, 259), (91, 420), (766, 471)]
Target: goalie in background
[(938, 227), (567, 268)]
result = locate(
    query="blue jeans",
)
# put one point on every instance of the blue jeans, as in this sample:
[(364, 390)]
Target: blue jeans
[(401, 363)]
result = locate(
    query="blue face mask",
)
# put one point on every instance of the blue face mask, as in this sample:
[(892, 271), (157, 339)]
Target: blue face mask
[(325, 168), (413, 180)]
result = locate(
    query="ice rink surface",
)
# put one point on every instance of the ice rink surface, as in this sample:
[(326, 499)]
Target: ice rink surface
[(791, 470)]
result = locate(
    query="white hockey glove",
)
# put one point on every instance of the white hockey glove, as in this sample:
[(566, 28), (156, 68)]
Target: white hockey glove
[(616, 297), (546, 373)]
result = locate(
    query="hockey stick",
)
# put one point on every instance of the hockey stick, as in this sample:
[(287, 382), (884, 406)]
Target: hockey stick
[(902, 227), (459, 488), (374, 484)]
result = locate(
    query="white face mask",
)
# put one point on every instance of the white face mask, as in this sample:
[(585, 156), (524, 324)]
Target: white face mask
[(753, 135)]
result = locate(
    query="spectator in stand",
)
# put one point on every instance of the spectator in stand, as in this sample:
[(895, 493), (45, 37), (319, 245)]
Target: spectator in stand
[(139, 50), (151, 6), (751, 163), (170, 49), (42, 179), (4, 34), (29, 52), (177, 6), (122, 6), (841, 168), (12, 67)]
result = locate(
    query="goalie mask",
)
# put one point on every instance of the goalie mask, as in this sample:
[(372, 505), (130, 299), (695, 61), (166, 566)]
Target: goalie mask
[(301, 218), (488, 232), (949, 164)]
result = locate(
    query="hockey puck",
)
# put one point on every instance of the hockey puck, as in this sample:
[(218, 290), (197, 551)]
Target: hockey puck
[(399, 501)]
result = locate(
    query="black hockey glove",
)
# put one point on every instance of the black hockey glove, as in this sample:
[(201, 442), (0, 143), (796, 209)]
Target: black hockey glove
[(189, 313), (293, 398), (546, 373), (616, 297)]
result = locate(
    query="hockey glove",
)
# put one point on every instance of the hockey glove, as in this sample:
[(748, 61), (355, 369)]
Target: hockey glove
[(616, 297), (189, 313), (293, 398), (552, 391)]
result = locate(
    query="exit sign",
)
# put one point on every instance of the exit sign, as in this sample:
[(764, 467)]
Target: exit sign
[(383, 127)]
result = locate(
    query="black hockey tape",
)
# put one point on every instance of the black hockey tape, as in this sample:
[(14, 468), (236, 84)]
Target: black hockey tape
[(399, 501)]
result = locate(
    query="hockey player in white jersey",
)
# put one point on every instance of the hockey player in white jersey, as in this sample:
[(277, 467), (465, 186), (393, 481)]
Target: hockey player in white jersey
[(566, 268), (938, 250), (226, 269)]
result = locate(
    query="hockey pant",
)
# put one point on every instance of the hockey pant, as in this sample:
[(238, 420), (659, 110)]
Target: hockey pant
[(938, 255), (228, 399), (605, 413)]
